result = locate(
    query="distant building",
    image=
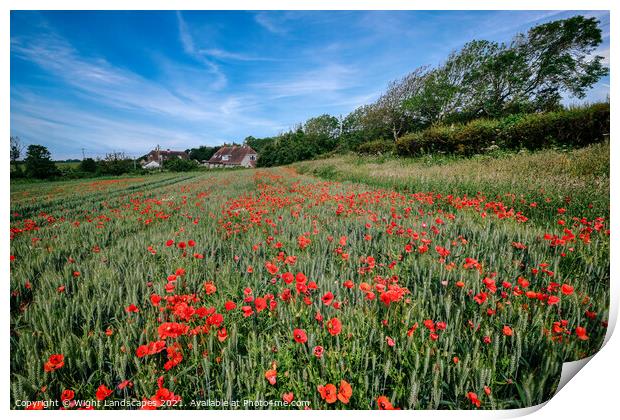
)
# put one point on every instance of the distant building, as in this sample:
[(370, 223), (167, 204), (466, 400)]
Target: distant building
[(151, 165), (232, 156), (160, 156)]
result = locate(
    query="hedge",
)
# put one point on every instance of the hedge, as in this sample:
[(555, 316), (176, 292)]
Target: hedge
[(376, 147), (575, 127)]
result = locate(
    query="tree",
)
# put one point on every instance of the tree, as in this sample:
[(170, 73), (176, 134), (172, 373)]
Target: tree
[(39, 162), (116, 163), (390, 106), (180, 165), (88, 165), (16, 149), (202, 153), (323, 131), (530, 74)]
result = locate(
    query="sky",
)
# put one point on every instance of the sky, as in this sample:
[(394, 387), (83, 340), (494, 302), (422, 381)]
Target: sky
[(124, 81)]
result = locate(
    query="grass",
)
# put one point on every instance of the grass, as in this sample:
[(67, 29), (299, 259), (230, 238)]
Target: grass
[(449, 295)]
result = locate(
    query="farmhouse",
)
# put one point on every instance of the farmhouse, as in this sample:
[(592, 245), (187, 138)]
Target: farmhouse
[(161, 156), (233, 156)]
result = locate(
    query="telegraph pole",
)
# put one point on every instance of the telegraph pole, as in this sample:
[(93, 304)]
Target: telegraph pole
[(83, 157)]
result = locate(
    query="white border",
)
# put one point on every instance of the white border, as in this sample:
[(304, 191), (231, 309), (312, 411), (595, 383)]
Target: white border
[(591, 394)]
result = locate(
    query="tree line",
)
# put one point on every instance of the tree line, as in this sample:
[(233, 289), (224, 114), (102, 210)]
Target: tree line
[(482, 80)]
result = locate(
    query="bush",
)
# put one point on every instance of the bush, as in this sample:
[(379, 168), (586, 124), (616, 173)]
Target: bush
[(573, 127), (376, 147), (180, 165)]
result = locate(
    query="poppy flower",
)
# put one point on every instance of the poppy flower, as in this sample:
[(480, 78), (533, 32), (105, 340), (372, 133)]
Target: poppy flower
[(229, 305), (67, 395), (210, 288), (300, 336), (260, 303), (581, 333), (328, 393), (567, 289), (270, 375), (222, 334), (390, 341), (334, 326), (344, 392), (191, 243), (328, 298), (318, 351), (271, 268), (169, 242), (384, 403), (132, 308), (507, 331), (54, 362), (473, 397), (103, 392), (288, 397)]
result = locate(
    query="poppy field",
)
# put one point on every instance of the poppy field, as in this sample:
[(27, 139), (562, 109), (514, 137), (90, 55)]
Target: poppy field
[(176, 291)]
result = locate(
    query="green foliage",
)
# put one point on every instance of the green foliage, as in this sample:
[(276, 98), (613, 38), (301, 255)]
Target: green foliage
[(575, 127), (88, 165), (376, 147), (115, 164), (180, 165), (202, 153), (39, 163)]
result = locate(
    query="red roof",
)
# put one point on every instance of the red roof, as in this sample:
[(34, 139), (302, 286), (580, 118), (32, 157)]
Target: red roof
[(232, 155)]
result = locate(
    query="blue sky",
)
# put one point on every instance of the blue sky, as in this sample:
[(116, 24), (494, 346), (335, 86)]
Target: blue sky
[(127, 81)]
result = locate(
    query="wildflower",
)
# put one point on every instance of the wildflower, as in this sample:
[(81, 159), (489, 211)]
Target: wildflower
[(567, 289), (328, 393), (318, 351), (334, 326), (384, 403), (270, 375), (54, 362), (344, 392), (300, 336), (507, 331), (103, 392)]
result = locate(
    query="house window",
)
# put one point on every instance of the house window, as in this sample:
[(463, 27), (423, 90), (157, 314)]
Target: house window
[(225, 157), (252, 157)]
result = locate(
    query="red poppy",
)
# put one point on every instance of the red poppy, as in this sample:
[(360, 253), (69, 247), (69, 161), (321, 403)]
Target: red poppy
[(67, 395), (300, 336), (345, 392), (328, 298), (288, 397), (103, 392), (384, 403), (334, 326), (581, 333), (567, 289), (328, 393), (390, 341), (55, 362), (169, 242), (270, 375), (318, 351), (271, 268), (260, 303), (210, 288), (222, 334), (132, 308), (473, 397), (229, 305), (507, 331)]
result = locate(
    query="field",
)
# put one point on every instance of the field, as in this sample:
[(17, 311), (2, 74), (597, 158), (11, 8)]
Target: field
[(349, 283)]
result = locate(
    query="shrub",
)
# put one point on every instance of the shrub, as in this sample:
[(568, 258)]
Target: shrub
[(180, 165), (573, 127), (376, 147)]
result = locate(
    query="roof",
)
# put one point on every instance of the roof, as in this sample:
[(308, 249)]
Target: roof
[(151, 165), (235, 154), (170, 153)]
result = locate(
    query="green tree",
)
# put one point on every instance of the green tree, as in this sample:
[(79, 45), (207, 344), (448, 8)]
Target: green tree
[(39, 162), (88, 165), (531, 73)]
